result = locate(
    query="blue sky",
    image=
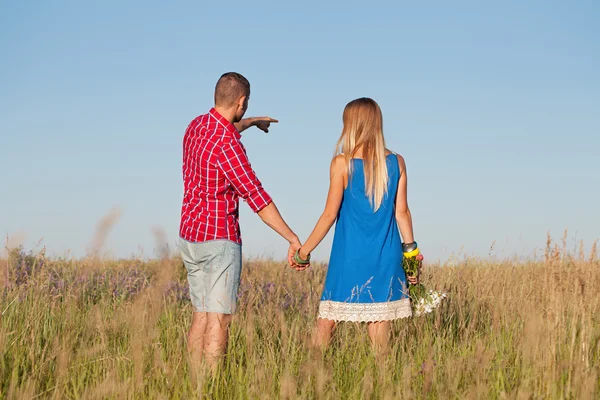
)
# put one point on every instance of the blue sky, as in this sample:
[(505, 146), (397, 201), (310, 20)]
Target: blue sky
[(494, 106)]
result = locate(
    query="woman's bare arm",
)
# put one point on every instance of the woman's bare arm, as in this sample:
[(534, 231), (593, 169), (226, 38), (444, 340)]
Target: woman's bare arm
[(337, 177), (403, 216)]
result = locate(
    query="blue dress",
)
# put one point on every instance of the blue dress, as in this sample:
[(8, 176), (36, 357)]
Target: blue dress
[(365, 280)]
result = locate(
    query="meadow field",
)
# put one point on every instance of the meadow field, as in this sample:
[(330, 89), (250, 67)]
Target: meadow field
[(95, 328)]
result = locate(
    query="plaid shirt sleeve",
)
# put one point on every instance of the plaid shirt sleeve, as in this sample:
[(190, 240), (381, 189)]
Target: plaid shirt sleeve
[(234, 163)]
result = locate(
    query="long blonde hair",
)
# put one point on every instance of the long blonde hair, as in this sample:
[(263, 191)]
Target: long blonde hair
[(363, 130)]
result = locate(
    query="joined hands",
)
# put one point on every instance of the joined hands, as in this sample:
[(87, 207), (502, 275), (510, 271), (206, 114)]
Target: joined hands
[(295, 246)]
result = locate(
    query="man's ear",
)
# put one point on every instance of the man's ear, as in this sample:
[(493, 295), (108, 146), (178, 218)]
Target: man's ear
[(242, 102)]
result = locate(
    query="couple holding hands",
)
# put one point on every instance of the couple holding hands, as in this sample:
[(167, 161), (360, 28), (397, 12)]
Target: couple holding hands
[(367, 201)]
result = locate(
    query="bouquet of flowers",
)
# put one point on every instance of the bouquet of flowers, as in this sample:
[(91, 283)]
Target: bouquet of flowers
[(423, 301)]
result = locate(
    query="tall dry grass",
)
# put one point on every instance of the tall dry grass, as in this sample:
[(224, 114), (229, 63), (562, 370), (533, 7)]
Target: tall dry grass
[(97, 329)]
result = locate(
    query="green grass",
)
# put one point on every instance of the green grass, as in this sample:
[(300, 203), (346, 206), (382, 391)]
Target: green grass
[(97, 328)]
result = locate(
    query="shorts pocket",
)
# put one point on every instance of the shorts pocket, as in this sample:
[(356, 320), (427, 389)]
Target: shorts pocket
[(187, 253), (210, 256)]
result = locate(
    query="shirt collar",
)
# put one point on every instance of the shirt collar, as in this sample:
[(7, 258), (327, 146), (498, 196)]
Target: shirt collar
[(229, 127)]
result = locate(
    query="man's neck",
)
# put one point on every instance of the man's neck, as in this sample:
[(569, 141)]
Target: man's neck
[(227, 113)]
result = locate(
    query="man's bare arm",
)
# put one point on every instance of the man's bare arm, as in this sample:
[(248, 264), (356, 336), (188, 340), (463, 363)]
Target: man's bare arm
[(271, 216)]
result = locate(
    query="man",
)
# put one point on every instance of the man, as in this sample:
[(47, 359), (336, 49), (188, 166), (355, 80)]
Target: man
[(216, 173)]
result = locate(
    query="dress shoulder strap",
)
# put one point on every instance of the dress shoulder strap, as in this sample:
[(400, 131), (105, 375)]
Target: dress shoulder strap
[(396, 163)]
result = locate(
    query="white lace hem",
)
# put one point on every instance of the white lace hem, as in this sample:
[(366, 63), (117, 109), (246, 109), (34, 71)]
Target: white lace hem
[(365, 312)]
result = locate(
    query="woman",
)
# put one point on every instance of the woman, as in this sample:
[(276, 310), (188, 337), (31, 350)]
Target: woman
[(367, 196)]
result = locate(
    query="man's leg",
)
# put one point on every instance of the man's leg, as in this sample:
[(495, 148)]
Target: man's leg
[(222, 302), (215, 340), (214, 270), (196, 337), (197, 278)]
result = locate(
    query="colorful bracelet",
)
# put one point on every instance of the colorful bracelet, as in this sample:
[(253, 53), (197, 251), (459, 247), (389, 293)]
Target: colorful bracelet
[(410, 249), (298, 260)]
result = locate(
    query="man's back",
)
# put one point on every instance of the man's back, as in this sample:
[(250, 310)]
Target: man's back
[(216, 172)]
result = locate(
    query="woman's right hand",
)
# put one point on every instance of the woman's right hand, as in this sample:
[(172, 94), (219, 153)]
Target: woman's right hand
[(413, 280)]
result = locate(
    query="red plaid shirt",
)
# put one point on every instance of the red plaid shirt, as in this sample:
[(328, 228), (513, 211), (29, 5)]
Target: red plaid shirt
[(216, 173)]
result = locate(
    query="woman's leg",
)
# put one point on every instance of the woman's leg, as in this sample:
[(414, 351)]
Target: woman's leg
[(323, 333), (379, 332)]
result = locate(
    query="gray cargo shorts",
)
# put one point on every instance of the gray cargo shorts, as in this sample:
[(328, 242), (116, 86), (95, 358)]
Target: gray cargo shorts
[(214, 269)]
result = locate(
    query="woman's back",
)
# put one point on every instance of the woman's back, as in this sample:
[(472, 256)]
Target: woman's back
[(365, 266), (356, 215)]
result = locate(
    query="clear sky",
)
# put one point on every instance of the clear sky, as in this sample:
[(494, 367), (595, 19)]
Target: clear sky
[(494, 105)]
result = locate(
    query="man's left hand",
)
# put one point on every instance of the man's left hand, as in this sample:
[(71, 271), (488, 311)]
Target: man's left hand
[(263, 123)]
